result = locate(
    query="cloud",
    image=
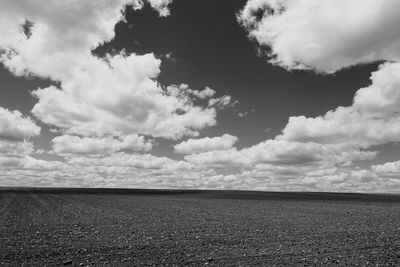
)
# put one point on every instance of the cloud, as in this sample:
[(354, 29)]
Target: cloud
[(161, 6), (324, 35), (62, 35), (183, 91), (69, 144), (120, 169), (15, 148), (388, 169), (16, 127), (116, 95), (193, 146), (102, 106), (218, 158), (33, 164), (15, 132), (335, 35), (206, 93), (105, 106), (121, 159), (120, 97), (281, 153), (223, 102), (363, 176), (373, 119), (286, 153), (123, 169)]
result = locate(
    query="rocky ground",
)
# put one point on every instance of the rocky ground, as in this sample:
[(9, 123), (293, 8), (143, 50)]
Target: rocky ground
[(175, 228)]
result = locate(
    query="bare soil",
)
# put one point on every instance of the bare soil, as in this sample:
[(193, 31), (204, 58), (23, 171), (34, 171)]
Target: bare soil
[(80, 227)]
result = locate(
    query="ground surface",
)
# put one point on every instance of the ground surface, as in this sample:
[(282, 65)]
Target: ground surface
[(134, 228)]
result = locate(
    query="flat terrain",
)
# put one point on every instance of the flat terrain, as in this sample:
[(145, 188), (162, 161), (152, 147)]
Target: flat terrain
[(150, 227)]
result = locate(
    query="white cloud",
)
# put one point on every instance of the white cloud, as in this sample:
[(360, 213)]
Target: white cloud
[(193, 146), (363, 176), (120, 97), (100, 105), (382, 98), (147, 171), (16, 127), (281, 153), (335, 35), (113, 170), (161, 6), (391, 169), (15, 148), (373, 118), (325, 35), (218, 158), (69, 144), (63, 34), (142, 161), (33, 164), (222, 102), (286, 153), (206, 93), (103, 105), (117, 95), (183, 91)]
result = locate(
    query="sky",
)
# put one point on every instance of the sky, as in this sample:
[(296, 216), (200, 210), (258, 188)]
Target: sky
[(277, 95)]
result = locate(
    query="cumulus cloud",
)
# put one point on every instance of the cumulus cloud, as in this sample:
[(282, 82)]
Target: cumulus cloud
[(218, 158), (142, 161), (193, 146), (100, 104), (104, 106), (390, 169), (57, 32), (223, 102), (115, 95), (68, 144), (324, 35), (15, 148), (281, 153), (120, 97), (61, 35), (161, 6), (206, 93), (336, 35), (33, 164), (363, 176), (373, 118), (16, 127), (183, 91)]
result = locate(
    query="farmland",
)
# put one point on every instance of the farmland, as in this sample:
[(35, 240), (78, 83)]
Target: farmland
[(80, 227)]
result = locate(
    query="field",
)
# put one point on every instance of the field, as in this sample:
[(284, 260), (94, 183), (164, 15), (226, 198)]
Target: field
[(80, 227)]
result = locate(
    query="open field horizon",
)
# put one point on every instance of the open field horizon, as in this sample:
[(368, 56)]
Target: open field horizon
[(91, 227)]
